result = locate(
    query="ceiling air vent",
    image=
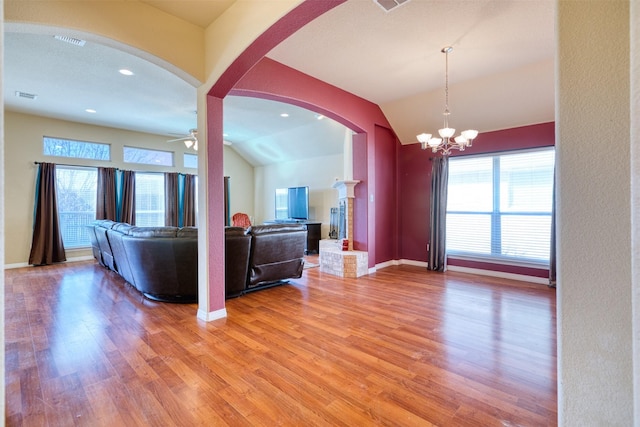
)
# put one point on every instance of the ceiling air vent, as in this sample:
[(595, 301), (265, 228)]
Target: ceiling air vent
[(389, 5), (72, 40), (26, 95)]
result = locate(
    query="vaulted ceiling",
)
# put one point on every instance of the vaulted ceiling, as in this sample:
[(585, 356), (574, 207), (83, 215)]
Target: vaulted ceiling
[(501, 73)]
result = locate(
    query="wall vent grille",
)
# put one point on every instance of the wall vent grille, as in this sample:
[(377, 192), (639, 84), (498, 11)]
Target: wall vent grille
[(389, 5), (26, 95), (72, 40)]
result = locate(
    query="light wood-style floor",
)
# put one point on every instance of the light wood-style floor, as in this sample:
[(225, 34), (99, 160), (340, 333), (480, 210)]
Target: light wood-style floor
[(401, 347)]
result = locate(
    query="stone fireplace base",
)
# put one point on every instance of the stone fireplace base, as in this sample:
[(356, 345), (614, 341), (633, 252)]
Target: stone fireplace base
[(349, 264)]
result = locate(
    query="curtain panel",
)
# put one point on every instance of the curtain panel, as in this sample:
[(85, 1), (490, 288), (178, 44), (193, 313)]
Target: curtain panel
[(106, 203), (189, 201), (127, 200), (171, 203), (438, 208), (552, 251), (227, 212), (46, 244)]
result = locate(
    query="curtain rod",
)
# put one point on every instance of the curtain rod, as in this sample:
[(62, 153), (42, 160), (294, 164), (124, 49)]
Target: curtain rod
[(76, 166), (66, 164), (118, 169)]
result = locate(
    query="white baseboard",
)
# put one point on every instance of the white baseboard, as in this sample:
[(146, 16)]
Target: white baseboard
[(16, 265), (413, 262), (386, 264), (212, 315), (513, 276), (26, 264), (480, 272)]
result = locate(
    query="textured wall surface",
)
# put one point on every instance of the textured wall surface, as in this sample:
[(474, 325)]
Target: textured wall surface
[(594, 224)]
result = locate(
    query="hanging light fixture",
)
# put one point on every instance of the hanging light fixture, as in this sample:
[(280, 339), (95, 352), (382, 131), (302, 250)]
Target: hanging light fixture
[(447, 142)]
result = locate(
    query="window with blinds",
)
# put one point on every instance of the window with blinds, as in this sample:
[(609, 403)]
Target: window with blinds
[(149, 199), (499, 206), (76, 191)]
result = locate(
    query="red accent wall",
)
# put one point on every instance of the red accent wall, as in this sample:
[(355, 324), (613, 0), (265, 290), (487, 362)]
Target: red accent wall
[(287, 25), (414, 179), (374, 160), (396, 177), (386, 196), (215, 203)]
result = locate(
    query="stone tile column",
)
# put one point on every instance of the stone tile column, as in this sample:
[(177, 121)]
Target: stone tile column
[(346, 193)]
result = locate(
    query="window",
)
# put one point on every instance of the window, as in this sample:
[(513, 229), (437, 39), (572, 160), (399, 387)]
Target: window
[(190, 161), (76, 189), (149, 199), (282, 203), (499, 206), (148, 157), (77, 149)]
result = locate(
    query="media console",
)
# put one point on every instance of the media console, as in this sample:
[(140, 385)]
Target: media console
[(313, 233)]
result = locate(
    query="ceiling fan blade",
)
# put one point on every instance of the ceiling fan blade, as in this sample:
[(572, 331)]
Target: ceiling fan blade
[(180, 139)]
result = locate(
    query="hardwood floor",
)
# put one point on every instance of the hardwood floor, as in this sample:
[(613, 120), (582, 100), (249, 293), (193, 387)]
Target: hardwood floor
[(401, 347)]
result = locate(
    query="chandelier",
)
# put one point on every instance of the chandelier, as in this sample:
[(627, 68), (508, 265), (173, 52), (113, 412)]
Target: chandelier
[(447, 142)]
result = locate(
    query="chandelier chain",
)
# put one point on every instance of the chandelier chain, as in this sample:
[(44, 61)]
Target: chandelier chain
[(446, 83)]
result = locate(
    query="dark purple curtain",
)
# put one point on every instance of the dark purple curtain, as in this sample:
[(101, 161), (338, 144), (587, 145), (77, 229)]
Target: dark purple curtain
[(227, 213), (438, 208), (552, 251), (128, 212), (46, 245), (189, 201), (171, 204), (106, 194)]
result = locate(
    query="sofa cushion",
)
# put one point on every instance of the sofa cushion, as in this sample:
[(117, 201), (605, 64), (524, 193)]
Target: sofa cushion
[(236, 231), (237, 245), (152, 231), (187, 232), (277, 253), (276, 228), (105, 223), (122, 227)]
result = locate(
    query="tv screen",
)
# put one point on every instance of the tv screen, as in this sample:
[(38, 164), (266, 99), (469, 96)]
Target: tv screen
[(298, 202)]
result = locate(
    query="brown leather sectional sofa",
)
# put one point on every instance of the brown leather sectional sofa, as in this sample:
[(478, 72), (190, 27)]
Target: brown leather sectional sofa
[(162, 262), (262, 256)]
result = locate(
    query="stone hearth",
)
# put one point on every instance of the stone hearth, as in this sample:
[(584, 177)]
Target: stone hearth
[(333, 259)]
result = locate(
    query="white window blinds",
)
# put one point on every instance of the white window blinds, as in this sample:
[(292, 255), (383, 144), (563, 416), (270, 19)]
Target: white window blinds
[(499, 206)]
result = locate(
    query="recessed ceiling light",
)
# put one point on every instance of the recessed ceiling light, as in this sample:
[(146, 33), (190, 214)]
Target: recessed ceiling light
[(284, 115), (90, 110), (126, 72)]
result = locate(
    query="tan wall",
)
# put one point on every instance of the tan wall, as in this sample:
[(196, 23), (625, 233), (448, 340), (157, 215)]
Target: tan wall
[(23, 146), (128, 25), (241, 182), (318, 174), (236, 29), (595, 328)]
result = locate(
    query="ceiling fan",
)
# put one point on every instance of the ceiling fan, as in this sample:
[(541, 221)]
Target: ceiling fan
[(189, 141)]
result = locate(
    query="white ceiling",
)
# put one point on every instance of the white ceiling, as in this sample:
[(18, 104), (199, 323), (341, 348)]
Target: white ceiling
[(390, 58)]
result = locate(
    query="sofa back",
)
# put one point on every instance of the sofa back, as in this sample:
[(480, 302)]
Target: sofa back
[(237, 244), (277, 253), (163, 261), (106, 254), (120, 260)]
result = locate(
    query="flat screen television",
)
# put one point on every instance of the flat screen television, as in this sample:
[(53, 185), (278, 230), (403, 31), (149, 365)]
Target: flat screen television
[(292, 203), (298, 205)]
